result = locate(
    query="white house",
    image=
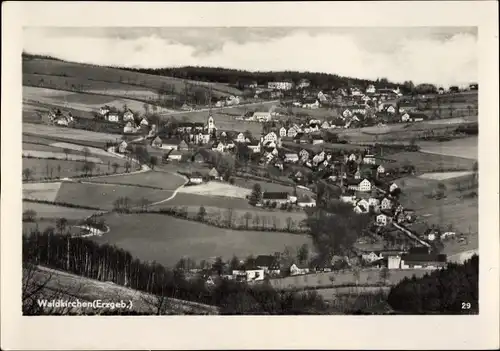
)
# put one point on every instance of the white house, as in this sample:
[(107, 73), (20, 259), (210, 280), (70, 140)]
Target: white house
[(325, 125), (255, 147), (112, 117), (144, 122), (129, 128), (306, 203), (380, 169), (284, 85), (314, 105), (298, 269), (363, 203), (347, 113), (292, 132), (371, 257), (195, 179), (262, 116), (371, 89), (128, 116), (348, 199), (304, 154), (405, 117), (174, 155), (386, 204), (248, 275), (291, 157), (270, 137), (122, 147), (393, 187), (364, 185), (372, 201), (218, 147), (104, 110), (383, 220), (391, 109), (369, 159), (240, 138), (282, 132), (352, 157)]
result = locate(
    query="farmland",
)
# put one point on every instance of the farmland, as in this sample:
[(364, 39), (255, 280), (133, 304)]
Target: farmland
[(166, 239), (53, 211), (466, 147), (60, 168), (71, 135), (182, 199), (103, 196), (162, 180), (41, 191), (427, 162), (216, 189), (87, 74)]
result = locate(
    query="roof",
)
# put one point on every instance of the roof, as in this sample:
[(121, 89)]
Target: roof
[(274, 195), (424, 258), (265, 260), (183, 143)]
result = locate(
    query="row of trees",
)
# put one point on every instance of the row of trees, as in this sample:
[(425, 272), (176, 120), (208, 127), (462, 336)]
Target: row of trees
[(107, 263)]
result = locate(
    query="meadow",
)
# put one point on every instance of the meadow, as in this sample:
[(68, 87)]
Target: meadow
[(217, 189), (69, 134), (465, 147), (161, 180), (222, 202), (59, 156), (427, 162), (50, 67), (165, 239), (44, 168), (103, 196), (41, 191), (47, 211)]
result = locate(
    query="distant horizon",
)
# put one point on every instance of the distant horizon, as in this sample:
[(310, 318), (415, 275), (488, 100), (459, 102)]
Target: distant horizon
[(443, 56)]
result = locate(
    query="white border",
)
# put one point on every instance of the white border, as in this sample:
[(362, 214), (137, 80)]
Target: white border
[(389, 332)]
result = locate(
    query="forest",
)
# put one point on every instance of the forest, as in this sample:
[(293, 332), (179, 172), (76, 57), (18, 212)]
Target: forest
[(86, 258), (453, 290)]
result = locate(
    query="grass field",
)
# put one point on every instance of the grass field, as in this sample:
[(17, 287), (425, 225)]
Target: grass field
[(41, 191), (85, 289), (60, 156), (466, 147), (113, 75), (182, 199), (217, 189), (54, 211), (166, 239), (426, 162), (444, 175), (267, 186), (366, 276), (48, 168), (163, 180), (104, 195), (66, 133)]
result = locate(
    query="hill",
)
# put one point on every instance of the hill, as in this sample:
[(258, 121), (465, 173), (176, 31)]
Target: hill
[(61, 285)]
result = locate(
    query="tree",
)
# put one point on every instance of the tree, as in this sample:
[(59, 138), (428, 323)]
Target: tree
[(29, 216), (144, 203), (27, 173), (66, 152), (303, 254), (86, 153), (153, 161), (115, 167), (61, 224), (256, 195), (384, 275), (127, 166), (475, 170), (201, 213), (247, 216)]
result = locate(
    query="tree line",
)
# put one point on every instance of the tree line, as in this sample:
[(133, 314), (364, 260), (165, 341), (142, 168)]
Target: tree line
[(84, 257)]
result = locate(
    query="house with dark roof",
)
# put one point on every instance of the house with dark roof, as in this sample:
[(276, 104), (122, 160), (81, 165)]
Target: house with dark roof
[(268, 263), (275, 196), (428, 261)]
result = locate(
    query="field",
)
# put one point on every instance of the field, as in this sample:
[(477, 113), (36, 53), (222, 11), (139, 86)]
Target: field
[(166, 239), (182, 199), (49, 168), (104, 195), (332, 294), (111, 75), (163, 180), (366, 277), (41, 191), (444, 175), (466, 147), (216, 189), (426, 162), (59, 156), (70, 134), (79, 101), (267, 186), (85, 289), (53, 211)]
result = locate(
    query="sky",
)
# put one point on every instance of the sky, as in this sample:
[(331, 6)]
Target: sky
[(439, 55)]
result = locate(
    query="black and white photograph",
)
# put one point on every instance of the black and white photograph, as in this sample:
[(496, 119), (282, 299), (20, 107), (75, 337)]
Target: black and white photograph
[(236, 170)]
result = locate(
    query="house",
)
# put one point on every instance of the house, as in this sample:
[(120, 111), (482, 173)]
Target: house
[(427, 261), (201, 138), (292, 132), (198, 158), (270, 137), (369, 160), (280, 85), (128, 116), (371, 257), (103, 111), (174, 155), (169, 144), (291, 157), (195, 179), (144, 122), (352, 157), (210, 126), (304, 154), (130, 127), (268, 263), (325, 125), (112, 117), (363, 186), (240, 138), (317, 139), (405, 117), (306, 203), (122, 147), (347, 113), (393, 187), (183, 146), (303, 83), (282, 132), (311, 105), (254, 146), (448, 235), (383, 220), (357, 174), (298, 269), (390, 109), (372, 201), (261, 116), (218, 147), (386, 204), (380, 169), (275, 196), (371, 89), (248, 275), (347, 198), (157, 142), (364, 204), (214, 174)]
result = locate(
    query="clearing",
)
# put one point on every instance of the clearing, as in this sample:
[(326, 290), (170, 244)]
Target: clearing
[(41, 191), (103, 196), (426, 162), (166, 239), (465, 147)]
